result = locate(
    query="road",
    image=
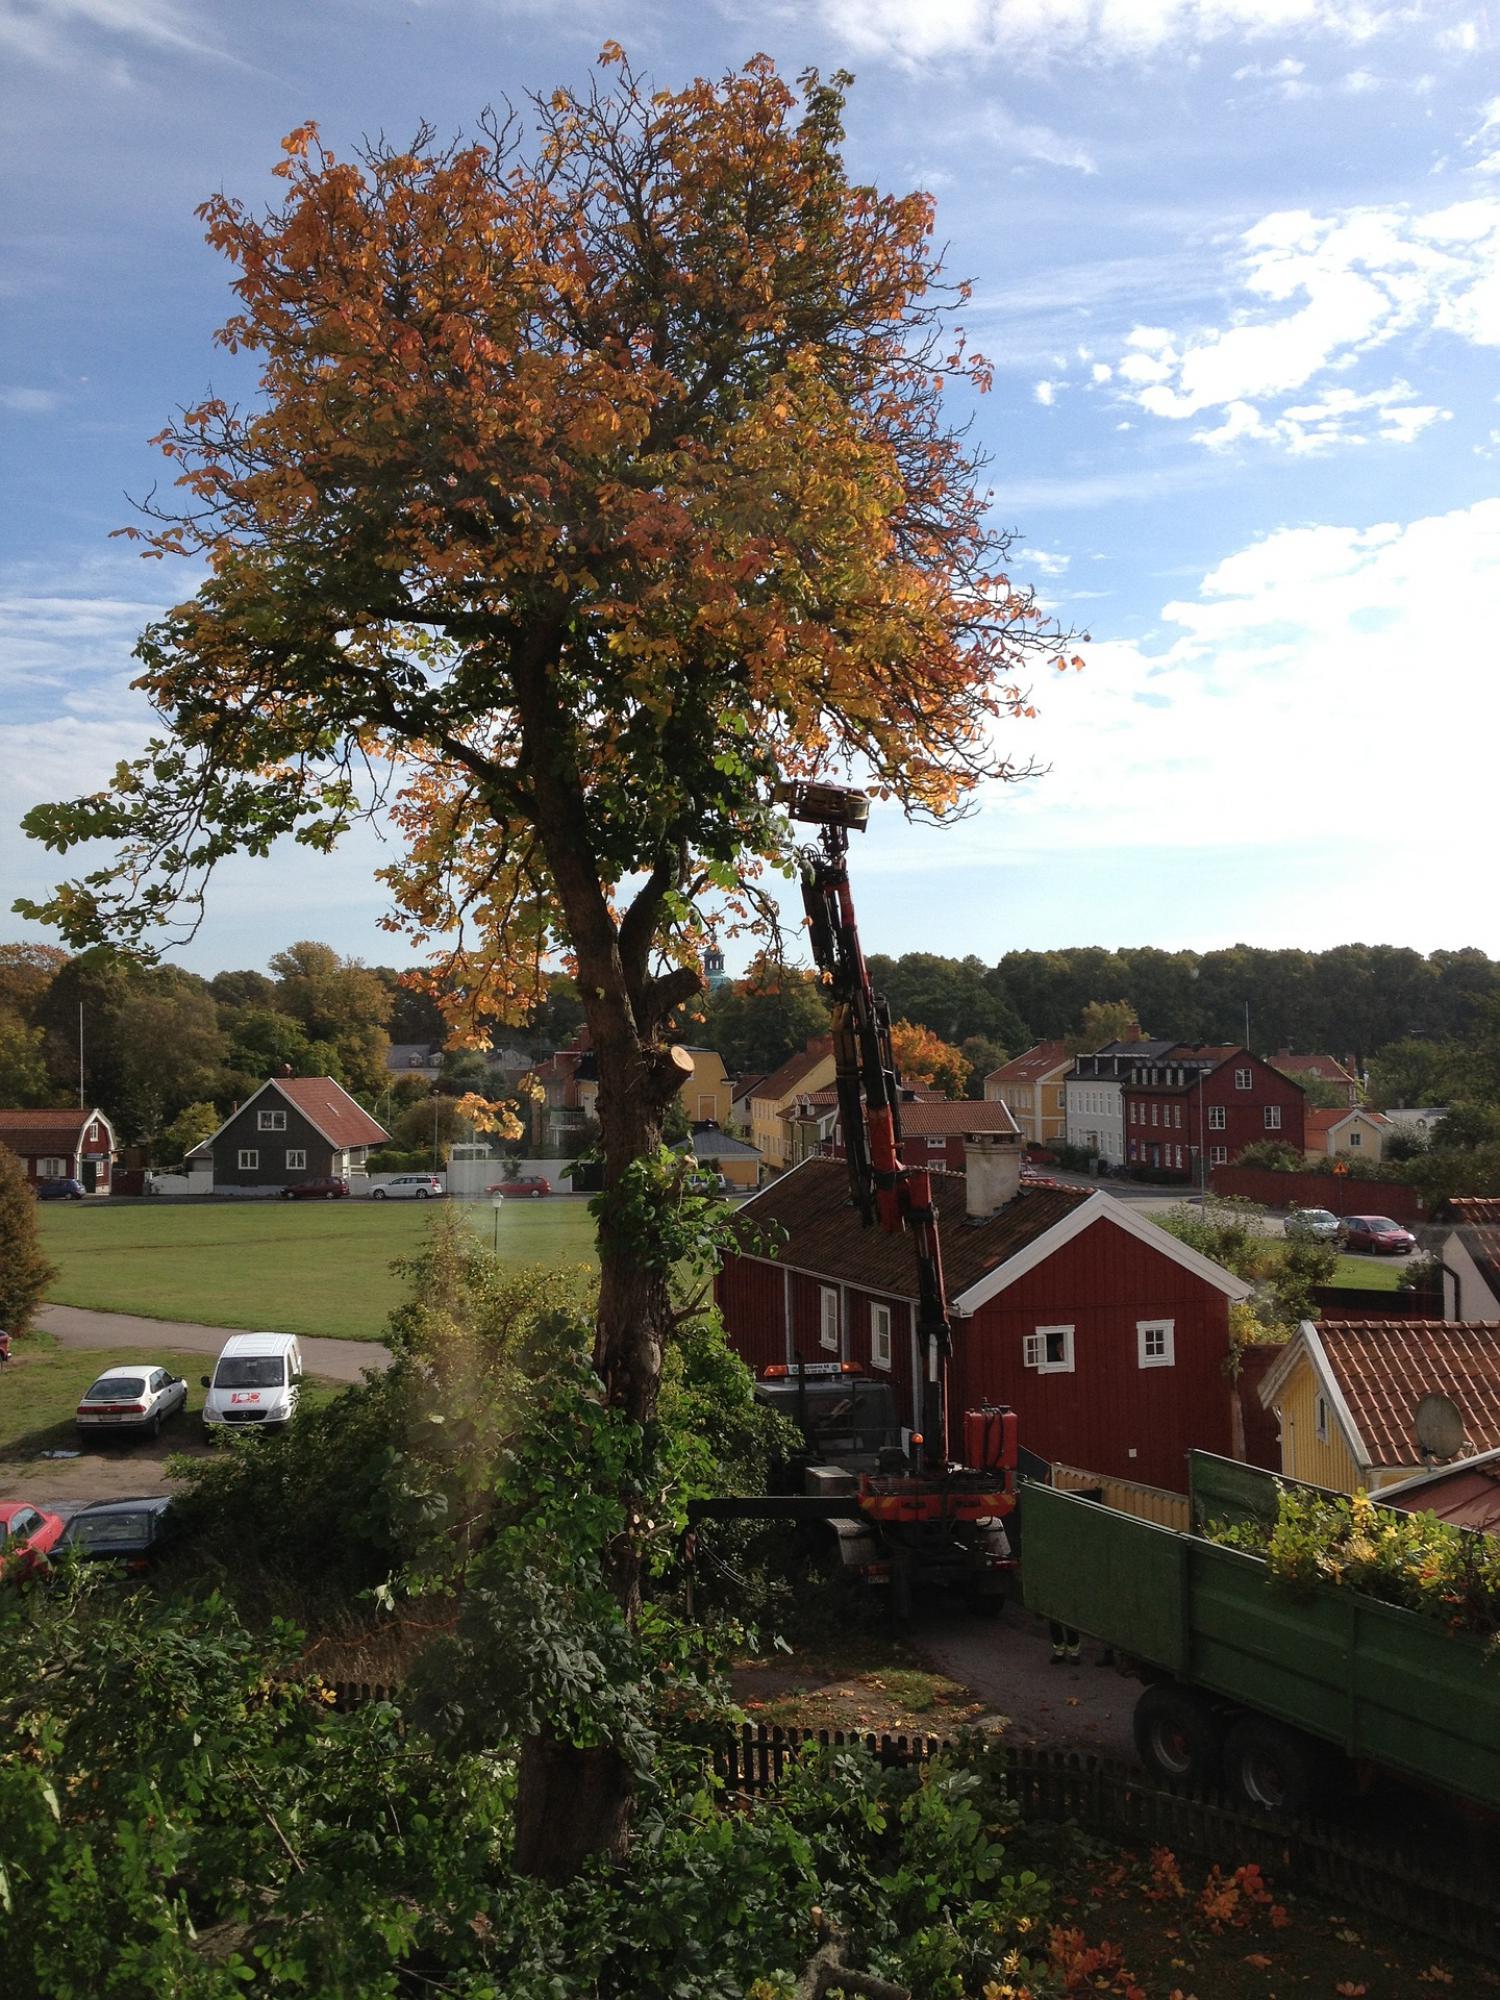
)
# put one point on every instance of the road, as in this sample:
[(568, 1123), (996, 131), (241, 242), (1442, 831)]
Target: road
[(1006, 1662), (76, 1326)]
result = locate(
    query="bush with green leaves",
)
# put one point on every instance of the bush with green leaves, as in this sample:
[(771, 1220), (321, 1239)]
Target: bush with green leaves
[(24, 1272)]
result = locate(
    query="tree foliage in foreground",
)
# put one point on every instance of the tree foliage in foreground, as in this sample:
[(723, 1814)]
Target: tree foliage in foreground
[(24, 1271)]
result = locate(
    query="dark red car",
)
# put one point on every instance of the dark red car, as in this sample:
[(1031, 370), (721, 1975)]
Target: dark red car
[(524, 1187), (323, 1190), (27, 1533), (1377, 1234)]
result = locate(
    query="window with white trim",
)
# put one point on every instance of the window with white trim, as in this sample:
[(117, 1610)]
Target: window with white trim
[(938, 1144), (828, 1318), (1356, 1139), (1218, 1156), (52, 1170), (296, 1160), (1179, 1156), (1273, 1117), (1177, 1116), (1049, 1350), (249, 1159), (880, 1336), (1321, 1420), (270, 1121), (91, 1137), (1244, 1079), (1216, 1118), (1155, 1342)]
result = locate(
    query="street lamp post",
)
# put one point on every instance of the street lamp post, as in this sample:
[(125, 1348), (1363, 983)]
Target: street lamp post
[(497, 1202)]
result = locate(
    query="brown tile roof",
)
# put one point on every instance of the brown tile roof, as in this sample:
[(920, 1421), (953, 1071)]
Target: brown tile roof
[(33, 1132), (1385, 1367), (1323, 1117), (1473, 1208), (936, 1116), (1328, 1068), (824, 1233), (1034, 1063), (780, 1084), (330, 1107)]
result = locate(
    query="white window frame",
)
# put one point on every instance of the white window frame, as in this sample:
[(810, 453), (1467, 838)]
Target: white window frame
[(296, 1159), (1244, 1079), (249, 1160), (1320, 1419), (1156, 1343), (1218, 1156), (880, 1336), (1034, 1353), (1273, 1117), (937, 1143), (1356, 1137), (828, 1317), (1216, 1118), (52, 1169), (270, 1121)]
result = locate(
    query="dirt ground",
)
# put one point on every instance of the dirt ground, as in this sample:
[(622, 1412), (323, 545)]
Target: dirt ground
[(124, 1469)]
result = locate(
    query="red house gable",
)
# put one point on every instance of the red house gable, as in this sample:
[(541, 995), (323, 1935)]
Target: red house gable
[(61, 1145), (1106, 1335), (1200, 1101)]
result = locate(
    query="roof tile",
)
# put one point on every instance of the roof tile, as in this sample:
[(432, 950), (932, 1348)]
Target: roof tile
[(1386, 1367)]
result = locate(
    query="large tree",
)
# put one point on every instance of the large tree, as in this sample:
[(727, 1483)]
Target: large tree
[(598, 480)]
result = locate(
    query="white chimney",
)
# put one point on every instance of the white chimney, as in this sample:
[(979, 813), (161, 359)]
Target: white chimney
[(992, 1172)]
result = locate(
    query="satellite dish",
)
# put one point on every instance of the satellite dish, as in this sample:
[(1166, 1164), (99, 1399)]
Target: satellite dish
[(1440, 1427)]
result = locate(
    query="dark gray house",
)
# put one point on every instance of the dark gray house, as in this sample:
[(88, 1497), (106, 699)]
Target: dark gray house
[(295, 1128)]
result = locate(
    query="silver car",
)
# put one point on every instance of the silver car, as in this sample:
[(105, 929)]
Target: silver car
[(409, 1187), (134, 1397), (1313, 1225)]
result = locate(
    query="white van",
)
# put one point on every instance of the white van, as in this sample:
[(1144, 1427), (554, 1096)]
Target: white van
[(256, 1380)]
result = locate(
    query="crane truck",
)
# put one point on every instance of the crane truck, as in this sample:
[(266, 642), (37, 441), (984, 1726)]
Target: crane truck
[(904, 1510)]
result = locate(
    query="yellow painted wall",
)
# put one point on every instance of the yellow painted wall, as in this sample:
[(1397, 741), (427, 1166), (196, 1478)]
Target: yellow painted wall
[(768, 1130), (1302, 1456), (706, 1094)]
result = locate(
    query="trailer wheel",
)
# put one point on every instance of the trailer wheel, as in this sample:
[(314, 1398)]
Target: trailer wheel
[(1178, 1735), (1272, 1768)]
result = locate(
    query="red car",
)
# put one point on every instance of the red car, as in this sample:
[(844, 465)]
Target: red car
[(524, 1187), (26, 1535), (1377, 1234), (320, 1190)]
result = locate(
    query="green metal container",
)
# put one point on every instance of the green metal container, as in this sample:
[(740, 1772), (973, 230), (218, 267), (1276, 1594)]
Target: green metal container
[(1379, 1682)]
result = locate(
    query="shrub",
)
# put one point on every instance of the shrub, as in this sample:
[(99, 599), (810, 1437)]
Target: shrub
[(1275, 1154), (397, 1160), (24, 1272)]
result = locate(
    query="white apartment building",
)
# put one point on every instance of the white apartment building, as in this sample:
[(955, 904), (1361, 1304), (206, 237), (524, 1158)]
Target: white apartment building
[(1091, 1096)]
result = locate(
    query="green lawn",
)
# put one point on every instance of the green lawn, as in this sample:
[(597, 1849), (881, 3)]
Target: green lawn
[(288, 1266), (43, 1383), (1369, 1274)]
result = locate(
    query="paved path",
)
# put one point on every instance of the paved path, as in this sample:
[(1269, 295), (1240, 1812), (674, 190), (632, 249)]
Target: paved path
[(1006, 1662), (77, 1326)]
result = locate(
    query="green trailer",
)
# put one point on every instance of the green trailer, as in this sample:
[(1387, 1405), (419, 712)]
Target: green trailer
[(1247, 1684)]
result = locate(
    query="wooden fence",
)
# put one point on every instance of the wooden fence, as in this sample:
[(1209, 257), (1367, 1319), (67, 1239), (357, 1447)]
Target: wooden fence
[(1114, 1800), (1127, 1496)]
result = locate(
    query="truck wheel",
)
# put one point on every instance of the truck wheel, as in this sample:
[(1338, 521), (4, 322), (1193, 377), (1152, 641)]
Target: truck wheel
[(1178, 1736), (1273, 1768)]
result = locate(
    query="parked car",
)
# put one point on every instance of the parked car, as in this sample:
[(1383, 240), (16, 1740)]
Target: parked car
[(409, 1187), (1313, 1225), (64, 1190), (257, 1379), (708, 1180), (132, 1533), (1377, 1234), (27, 1534), (522, 1187), (133, 1397), (328, 1189)]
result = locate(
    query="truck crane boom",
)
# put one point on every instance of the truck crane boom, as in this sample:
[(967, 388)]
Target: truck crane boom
[(883, 1188)]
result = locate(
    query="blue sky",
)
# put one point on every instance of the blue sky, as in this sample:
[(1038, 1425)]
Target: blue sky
[(1237, 263)]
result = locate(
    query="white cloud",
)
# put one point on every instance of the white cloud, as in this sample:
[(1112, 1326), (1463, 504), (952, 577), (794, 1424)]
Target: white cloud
[(1045, 561), (29, 402), (1315, 626), (1337, 417), (1035, 142), (52, 32), (1317, 295), (1045, 393), (1038, 32)]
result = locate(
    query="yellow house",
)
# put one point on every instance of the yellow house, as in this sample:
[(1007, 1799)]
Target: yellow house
[(706, 1093), (1031, 1087), (1359, 1135), (1346, 1393), (811, 1069)]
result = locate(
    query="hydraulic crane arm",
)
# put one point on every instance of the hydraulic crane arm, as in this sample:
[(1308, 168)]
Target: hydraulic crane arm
[(882, 1187)]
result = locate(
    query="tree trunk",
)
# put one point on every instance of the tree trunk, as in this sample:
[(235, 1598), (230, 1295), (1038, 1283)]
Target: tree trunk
[(575, 1804)]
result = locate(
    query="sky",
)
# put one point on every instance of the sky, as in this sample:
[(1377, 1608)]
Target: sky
[(1236, 262)]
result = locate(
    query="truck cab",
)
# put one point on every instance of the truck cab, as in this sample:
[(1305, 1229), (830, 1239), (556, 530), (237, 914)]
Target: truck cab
[(845, 1418)]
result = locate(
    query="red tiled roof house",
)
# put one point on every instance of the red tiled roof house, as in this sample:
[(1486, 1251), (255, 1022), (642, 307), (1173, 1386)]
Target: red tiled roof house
[(62, 1146), (1104, 1333), (295, 1128)]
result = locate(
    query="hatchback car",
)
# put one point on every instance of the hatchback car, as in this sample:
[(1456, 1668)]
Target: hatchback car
[(63, 1190), (329, 1189), (132, 1533), (27, 1534), (1379, 1235), (408, 1187), (522, 1187), (133, 1398), (1313, 1225)]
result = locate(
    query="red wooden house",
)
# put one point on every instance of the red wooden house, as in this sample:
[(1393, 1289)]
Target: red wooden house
[(1106, 1335), (62, 1145), (1197, 1101), (933, 1128)]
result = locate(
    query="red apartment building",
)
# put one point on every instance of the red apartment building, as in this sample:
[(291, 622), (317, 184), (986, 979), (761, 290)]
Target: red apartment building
[(1197, 1105)]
